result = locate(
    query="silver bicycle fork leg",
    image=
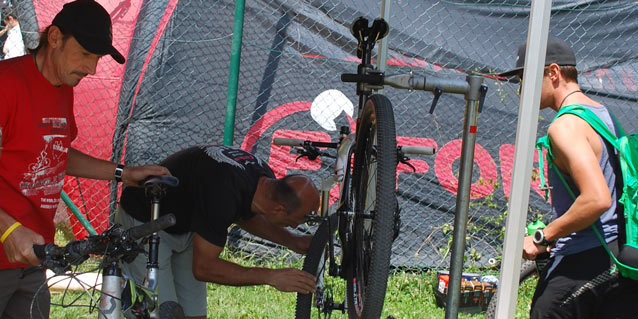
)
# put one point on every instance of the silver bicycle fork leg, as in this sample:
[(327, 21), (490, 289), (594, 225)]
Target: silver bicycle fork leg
[(111, 297)]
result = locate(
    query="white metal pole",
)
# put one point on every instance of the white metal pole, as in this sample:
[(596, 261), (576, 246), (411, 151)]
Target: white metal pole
[(382, 45), (523, 157)]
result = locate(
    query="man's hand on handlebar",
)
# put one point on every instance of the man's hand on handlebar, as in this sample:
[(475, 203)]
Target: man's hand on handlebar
[(19, 246)]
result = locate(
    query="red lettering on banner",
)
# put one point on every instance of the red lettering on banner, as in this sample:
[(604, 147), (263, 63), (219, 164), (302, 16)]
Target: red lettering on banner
[(605, 72), (628, 80), (281, 159), (446, 157), (506, 155)]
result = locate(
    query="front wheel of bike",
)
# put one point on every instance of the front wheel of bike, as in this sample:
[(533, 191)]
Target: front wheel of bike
[(528, 269), (317, 263), (374, 202)]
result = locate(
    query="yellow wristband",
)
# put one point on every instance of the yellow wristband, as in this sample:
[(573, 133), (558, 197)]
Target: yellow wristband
[(9, 231)]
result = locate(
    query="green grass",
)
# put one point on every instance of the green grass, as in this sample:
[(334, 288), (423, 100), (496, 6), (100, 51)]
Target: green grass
[(409, 296)]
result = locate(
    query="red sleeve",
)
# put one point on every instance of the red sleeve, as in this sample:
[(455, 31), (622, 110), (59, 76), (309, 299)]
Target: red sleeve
[(8, 105)]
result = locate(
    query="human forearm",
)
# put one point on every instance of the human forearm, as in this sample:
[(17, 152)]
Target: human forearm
[(260, 227), (5, 221), (227, 273), (207, 266), (83, 165), (18, 242), (582, 214)]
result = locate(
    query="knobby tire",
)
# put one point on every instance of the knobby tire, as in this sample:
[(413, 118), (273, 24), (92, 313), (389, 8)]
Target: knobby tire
[(315, 258), (528, 269), (374, 172)]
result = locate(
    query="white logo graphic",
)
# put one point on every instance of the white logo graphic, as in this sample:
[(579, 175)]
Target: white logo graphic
[(42, 175), (231, 156), (327, 106)]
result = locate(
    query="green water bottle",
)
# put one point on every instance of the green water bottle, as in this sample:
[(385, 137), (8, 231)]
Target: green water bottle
[(533, 226)]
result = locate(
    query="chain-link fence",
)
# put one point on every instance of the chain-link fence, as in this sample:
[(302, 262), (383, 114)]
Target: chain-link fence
[(173, 90)]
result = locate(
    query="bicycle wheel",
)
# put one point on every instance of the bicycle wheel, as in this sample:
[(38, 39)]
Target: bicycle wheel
[(528, 269), (316, 263), (374, 197), (171, 310)]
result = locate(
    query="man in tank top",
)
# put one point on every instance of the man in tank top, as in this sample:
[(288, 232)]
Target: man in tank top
[(577, 283)]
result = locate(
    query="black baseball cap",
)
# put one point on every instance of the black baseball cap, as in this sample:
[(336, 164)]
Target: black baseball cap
[(90, 25), (558, 51)]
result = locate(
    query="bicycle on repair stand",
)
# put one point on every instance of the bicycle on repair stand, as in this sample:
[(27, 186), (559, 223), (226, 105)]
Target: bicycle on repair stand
[(354, 239), (118, 296)]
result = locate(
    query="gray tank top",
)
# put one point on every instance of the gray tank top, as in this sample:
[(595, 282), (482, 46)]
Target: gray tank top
[(562, 200)]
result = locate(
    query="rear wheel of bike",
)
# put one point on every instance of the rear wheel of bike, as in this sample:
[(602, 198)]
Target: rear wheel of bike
[(171, 310), (374, 202), (528, 269), (316, 263)]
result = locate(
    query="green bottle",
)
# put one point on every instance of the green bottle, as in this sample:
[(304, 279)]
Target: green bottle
[(533, 226)]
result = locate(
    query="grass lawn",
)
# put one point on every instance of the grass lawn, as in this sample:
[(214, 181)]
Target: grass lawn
[(409, 296)]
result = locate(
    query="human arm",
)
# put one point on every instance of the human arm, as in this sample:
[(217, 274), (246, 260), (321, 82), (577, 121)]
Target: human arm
[(207, 266), (259, 226), (577, 149), (18, 245), (3, 32), (83, 165)]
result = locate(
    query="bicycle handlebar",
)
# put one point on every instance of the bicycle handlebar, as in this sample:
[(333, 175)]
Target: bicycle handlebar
[(421, 150), (410, 82), (113, 243), (149, 228), (303, 143), (288, 141)]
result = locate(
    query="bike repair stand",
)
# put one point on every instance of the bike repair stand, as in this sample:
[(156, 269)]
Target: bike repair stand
[(474, 91), (474, 97)]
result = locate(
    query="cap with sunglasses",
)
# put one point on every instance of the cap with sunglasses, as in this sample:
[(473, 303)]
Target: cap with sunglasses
[(90, 25), (558, 51)]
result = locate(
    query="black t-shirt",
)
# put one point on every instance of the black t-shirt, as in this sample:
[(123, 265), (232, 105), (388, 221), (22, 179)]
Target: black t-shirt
[(216, 188)]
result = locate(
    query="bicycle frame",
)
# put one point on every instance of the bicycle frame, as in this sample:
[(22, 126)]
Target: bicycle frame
[(111, 297), (117, 246)]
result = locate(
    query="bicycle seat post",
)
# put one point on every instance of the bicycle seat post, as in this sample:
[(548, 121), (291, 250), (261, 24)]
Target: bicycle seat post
[(155, 189)]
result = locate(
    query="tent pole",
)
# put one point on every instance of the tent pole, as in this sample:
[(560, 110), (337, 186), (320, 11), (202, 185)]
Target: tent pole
[(383, 43), (233, 76), (523, 157)]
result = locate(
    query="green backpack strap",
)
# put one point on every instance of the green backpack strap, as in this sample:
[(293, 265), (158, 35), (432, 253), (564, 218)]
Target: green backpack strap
[(599, 126), (594, 121), (544, 142)]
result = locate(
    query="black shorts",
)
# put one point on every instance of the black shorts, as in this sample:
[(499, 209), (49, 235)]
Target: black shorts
[(19, 288), (582, 287)]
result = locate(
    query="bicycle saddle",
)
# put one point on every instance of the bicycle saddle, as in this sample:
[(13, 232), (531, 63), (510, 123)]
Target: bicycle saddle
[(166, 180), (360, 30)]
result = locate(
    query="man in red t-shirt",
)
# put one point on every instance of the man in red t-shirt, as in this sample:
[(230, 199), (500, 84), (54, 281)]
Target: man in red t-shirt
[(36, 130)]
